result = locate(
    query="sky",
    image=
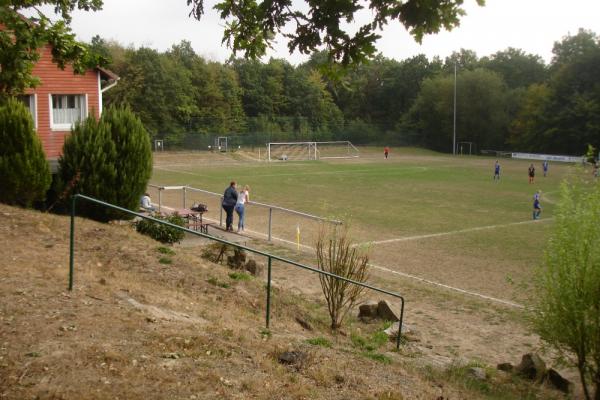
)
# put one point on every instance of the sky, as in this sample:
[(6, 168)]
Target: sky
[(531, 25)]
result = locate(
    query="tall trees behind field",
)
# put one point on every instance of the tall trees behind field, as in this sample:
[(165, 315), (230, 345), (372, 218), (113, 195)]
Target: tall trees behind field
[(510, 100)]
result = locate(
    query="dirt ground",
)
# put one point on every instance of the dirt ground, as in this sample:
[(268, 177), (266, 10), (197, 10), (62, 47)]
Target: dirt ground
[(138, 327)]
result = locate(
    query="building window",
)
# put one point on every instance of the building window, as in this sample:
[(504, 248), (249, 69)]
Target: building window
[(29, 101), (67, 109)]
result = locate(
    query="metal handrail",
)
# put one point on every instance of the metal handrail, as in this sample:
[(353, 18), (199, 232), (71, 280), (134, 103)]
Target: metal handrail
[(269, 256), (254, 203)]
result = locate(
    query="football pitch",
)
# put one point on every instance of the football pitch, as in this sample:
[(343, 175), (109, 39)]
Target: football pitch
[(424, 214)]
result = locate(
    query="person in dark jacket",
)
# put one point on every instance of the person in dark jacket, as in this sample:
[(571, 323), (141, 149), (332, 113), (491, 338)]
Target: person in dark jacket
[(229, 199)]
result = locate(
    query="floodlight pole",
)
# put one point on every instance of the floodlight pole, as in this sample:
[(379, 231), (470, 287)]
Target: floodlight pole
[(454, 128)]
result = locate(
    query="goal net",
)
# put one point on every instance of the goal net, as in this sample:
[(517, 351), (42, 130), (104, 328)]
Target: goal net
[(300, 151)]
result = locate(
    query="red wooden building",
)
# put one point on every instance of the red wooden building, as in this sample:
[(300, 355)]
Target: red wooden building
[(63, 98)]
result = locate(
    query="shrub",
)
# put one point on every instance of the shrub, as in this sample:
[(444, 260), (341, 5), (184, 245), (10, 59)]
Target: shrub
[(567, 301), (160, 232), (337, 255), (24, 172), (113, 157)]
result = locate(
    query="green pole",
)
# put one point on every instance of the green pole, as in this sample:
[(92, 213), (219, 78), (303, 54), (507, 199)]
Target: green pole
[(268, 292), (72, 244)]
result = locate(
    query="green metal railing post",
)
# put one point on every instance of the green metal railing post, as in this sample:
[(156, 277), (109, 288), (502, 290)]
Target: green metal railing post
[(72, 243), (268, 292), (400, 326)]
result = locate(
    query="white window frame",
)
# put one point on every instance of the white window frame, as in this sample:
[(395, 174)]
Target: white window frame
[(33, 108), (66, 127)]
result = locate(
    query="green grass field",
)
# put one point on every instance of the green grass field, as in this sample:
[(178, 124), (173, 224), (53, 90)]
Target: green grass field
[(414, 193)]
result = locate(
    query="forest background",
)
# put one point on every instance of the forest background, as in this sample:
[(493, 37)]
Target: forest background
[(510, 100)]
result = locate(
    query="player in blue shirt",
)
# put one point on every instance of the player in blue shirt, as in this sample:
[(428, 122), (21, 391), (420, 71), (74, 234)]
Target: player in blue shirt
[(497, 170), (537, 208), (545, 167)]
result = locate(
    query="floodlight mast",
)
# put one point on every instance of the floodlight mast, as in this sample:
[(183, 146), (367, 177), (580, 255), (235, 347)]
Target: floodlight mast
[(454, 127)]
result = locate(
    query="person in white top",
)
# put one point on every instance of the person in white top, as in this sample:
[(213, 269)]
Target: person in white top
[(243, 198), (146, 203)]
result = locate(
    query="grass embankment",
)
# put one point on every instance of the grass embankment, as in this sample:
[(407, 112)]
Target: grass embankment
[(137, 328)]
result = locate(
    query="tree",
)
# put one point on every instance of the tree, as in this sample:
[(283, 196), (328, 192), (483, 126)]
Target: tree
[(567, 302), (517, 68), (24, 172), (484, 121), (572, 118), (112, 158), (158, 89), (21, 38), (251, 26)]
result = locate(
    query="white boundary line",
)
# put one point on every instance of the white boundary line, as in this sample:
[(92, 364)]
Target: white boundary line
[(432, 235), (404, 274), (418, 278)]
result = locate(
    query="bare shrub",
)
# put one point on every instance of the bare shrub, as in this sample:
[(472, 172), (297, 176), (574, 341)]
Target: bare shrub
[(337, 255)]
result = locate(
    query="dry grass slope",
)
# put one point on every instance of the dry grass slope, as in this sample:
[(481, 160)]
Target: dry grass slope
[(138, 328)]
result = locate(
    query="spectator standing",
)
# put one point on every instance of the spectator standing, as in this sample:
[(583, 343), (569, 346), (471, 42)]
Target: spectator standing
[(240, 206), (229, 201)]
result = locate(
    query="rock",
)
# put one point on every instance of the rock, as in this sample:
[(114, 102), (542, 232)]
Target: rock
[(507, 367), (384, 311), (557, 381), (407, 331), (532, 367), (477, 373), (253, 267), (291, 357), (368, 310)]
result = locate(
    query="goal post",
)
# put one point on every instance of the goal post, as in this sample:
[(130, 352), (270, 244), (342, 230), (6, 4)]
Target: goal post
[(305, 151)]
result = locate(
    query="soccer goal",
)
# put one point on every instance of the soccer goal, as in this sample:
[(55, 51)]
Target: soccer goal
[(301, 151)]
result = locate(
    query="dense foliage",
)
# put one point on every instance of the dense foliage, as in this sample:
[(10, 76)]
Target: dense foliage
[(567, 307), (20, 40), (252, 26), (24, 171), (162, 233), (509, 100), (112, 159)]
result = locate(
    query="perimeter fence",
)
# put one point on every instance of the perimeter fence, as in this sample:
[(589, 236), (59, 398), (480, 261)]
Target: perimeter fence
[(266, 220), (270, 258)]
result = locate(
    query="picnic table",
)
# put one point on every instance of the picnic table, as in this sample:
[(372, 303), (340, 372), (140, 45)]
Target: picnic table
[(193, 218)]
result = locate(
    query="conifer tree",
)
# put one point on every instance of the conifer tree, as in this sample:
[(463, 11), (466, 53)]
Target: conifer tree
[(24, 172), (112, 159)]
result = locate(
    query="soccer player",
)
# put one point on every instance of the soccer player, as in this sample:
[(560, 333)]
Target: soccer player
[(497, 170), (531, 173), (537, 208), (545, 167), (386, 151)]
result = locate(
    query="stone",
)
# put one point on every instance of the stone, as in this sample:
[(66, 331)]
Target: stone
[(368, 310), (291, 357), (407, 332), (555, 380), (253, 267), (507, 367), (532, 367), (477, 373), (385, 311)]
